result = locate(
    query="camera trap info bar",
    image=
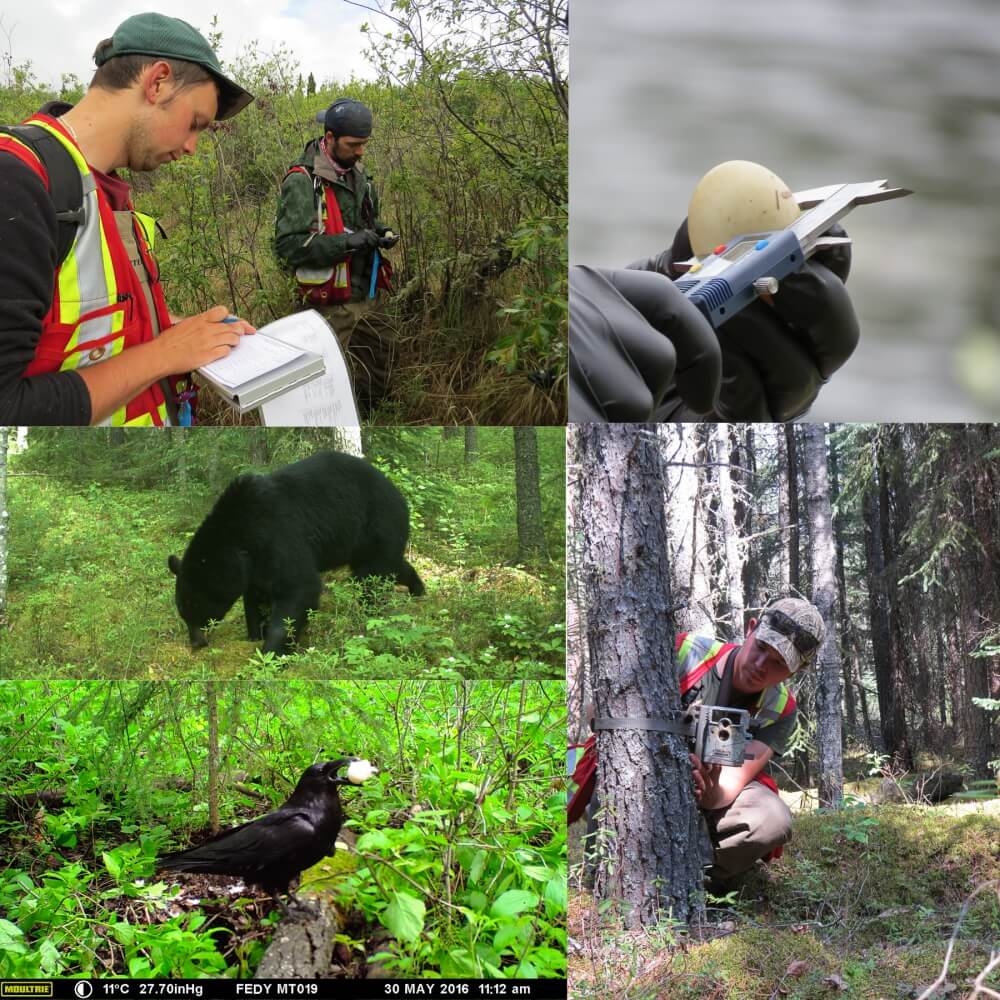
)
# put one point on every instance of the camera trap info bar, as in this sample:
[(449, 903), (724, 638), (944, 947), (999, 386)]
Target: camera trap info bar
[(735, 273), (717, 734)]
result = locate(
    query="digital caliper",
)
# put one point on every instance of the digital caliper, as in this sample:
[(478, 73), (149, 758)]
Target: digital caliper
[(735, 273)]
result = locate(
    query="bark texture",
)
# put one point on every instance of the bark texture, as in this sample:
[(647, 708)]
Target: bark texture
[(649, 861)]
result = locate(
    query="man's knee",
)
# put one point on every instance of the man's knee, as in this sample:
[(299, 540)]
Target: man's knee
[(775, 821)]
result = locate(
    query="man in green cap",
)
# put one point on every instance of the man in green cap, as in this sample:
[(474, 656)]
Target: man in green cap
[(85, 333), (329, 232)]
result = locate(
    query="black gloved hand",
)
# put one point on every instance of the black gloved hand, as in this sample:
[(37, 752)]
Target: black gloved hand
[(632, 338), (776, 358), (387, 242), (363, 239)]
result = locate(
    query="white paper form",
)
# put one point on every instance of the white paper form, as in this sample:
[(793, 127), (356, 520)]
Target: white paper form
[(254, 355), (327, 401)]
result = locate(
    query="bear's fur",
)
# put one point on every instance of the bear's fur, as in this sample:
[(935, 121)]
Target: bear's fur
[(268, 538)]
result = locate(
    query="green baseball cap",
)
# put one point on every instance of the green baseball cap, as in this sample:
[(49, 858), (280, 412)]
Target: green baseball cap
[(172, 38)]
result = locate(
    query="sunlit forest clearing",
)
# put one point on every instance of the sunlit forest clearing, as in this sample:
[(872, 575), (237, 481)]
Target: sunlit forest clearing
[(92, 523)]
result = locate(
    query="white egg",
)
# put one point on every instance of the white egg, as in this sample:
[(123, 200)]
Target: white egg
[(734, 198), (359, 771)]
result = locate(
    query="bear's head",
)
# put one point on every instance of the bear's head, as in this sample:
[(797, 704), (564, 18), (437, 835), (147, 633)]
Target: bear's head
[(203, 594)]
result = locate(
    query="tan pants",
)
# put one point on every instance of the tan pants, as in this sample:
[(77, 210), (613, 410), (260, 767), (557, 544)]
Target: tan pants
[(754, 825), (369, 350)]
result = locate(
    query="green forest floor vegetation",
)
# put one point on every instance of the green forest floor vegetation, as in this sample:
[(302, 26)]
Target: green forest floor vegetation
[(456, 864), (90, 594), (861, 905)]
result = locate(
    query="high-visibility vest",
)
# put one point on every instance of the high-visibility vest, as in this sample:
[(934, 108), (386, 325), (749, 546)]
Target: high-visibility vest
[(324, 286), (696, 655), (98, 305)]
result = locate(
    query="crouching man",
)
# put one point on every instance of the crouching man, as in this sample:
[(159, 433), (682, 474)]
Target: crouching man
[(746, 818)]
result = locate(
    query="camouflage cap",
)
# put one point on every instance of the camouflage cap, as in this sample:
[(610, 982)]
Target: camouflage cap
[(793, 627)]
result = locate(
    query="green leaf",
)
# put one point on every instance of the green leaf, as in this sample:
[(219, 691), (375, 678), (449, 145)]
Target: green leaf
[(512, 902), (404, 916), (9, 930), (536, 872), (476, 868), (555, 896), (525, 970), (374, 840), (504, 937), (123, 932), (113, 865)]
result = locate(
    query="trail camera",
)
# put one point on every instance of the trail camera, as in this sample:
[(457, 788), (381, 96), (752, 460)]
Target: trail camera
[(720, 734)]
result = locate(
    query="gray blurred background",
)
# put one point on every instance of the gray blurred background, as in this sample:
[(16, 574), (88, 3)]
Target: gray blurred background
[(820, 92)]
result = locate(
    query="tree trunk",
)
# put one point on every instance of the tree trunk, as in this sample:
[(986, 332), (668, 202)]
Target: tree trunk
[(880, 553), (794, 577), (349, 441), (530, 534), (830, 762), (743, 461), (471, 445), (732, 562), (686, 526), (212, 705), (843, 617), (650, 863)]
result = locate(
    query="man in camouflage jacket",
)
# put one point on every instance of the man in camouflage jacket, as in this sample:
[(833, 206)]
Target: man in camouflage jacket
[(339, 246)]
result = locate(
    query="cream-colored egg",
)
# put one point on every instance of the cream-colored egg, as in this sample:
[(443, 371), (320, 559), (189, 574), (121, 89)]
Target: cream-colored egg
[(734, 198), (359, 771)]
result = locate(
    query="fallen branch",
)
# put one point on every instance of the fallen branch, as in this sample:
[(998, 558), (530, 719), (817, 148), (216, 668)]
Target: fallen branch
[(980, 989)]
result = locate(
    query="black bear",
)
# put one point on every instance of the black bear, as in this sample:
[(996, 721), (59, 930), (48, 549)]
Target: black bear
[(270, 537)]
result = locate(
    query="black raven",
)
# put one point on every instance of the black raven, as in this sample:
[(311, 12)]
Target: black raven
[(278, 847)]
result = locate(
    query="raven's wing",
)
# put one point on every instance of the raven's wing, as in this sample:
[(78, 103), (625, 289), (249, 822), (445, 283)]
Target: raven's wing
[(275, 841)]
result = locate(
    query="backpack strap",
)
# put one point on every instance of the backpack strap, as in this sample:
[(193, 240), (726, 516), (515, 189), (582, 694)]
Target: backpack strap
[(65, 182)]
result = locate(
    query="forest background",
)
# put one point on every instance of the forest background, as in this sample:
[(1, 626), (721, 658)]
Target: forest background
[(90, 515), (890, 885), (469, 153)]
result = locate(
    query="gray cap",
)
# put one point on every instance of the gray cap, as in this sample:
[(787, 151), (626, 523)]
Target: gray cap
[(346, 117), (794, 628)]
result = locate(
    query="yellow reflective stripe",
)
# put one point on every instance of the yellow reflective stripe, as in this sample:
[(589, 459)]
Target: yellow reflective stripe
[(685, 649), (78, 159), (146, 419), (69, 297), (70, 294), (148, 226), (782, 699), (109, 268)]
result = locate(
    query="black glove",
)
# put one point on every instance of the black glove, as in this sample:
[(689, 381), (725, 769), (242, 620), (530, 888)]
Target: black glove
[(776, 357), (387, 242), (633, 337), (363, 239)]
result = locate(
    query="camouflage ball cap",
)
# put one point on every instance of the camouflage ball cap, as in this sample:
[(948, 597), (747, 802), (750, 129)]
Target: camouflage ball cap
[(794, 628), (172, 38)]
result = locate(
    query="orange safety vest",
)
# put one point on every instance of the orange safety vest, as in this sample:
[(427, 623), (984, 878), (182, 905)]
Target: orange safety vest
[(98, 306), (696, 655)]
